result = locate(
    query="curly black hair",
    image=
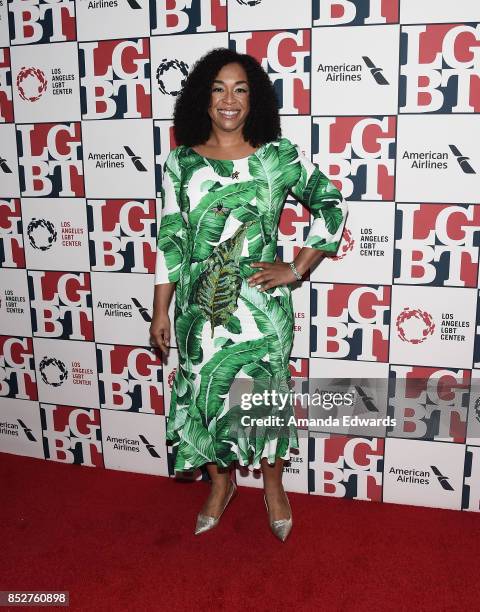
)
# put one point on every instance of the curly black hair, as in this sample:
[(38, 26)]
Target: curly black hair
[(191, 121)]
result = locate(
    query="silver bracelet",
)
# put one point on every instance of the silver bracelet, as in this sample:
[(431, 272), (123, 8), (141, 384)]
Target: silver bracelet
[(298, 276)]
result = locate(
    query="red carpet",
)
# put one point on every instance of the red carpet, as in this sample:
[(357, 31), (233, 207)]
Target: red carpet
[(123, 541)]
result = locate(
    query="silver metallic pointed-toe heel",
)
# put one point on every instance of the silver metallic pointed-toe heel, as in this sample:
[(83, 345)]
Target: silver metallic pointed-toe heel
[(281, 527), (205, 522)]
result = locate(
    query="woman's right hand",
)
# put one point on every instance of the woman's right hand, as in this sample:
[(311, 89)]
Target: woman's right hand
[(160, 332)]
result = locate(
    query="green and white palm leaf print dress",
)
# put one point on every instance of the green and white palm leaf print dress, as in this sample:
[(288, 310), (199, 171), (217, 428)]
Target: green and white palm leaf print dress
[(217, 217)]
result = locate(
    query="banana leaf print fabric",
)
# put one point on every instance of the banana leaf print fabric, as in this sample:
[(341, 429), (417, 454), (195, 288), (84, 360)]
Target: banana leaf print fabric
[(217, 217)]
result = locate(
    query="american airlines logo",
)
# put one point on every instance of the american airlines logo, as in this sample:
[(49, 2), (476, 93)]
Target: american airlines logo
[(12, 429), (27, 431), (352, 72), (133, 4), (142, 310), (375, 71), (149, 446), (366, 399), (438, 159), (133, 445), (443, 480), (135, 159), (4, 166), (462, 160), (116, 160), (418, 476)]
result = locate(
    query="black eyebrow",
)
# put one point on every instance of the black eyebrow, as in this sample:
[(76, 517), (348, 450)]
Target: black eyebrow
[(219, 81)]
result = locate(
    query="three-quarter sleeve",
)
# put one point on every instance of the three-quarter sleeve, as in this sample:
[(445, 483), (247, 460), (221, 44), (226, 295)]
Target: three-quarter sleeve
[(171, 234), (313, 188)]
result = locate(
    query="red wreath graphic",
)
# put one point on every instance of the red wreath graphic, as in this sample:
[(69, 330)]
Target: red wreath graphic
[(417, 313), (31, 72), (171, 377), (346, 245)]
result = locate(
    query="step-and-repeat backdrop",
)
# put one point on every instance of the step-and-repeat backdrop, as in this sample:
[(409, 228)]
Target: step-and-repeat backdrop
[(382, 94)]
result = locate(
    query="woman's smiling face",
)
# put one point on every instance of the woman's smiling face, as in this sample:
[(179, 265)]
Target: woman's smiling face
[(230, 98)]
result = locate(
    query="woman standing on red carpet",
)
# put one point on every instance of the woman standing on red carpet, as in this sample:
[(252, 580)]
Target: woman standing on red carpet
[(223, 190)]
